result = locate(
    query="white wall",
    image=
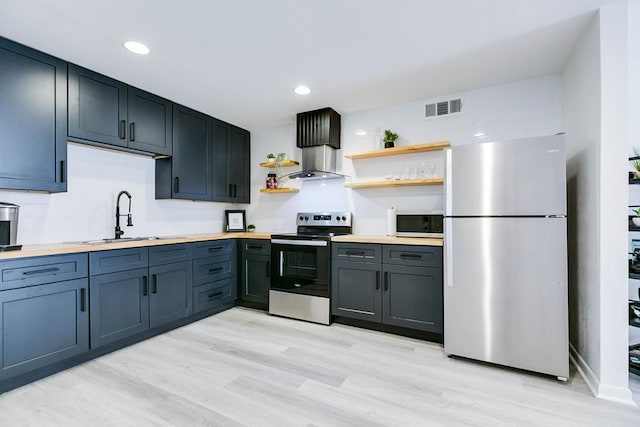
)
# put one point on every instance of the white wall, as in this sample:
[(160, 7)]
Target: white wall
[(87, 209), (595, 117), (515, 110)]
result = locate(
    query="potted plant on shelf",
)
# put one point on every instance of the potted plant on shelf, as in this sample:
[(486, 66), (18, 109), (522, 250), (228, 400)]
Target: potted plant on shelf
[(389, 138), (251, 228), (271, 157)]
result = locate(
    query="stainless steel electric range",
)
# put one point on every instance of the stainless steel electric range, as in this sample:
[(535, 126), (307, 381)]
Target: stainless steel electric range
[(300, 266)]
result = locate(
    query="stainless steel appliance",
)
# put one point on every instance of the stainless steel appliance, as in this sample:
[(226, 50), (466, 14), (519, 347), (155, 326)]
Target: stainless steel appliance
[(419, 224), (9, 226), (300, 266), (505, 241)]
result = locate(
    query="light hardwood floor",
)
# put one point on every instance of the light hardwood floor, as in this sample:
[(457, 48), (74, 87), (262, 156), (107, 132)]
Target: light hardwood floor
[(244, 367)]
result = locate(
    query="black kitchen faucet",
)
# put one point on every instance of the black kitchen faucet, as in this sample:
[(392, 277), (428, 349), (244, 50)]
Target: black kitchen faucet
[(119, 231)]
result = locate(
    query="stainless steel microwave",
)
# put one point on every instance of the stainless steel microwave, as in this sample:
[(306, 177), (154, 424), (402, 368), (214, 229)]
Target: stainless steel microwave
[(419, 224)]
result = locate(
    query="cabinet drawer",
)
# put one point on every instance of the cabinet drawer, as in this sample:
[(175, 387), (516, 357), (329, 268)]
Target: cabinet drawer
[(421, 256), (211, 269), (365, 252), (213, 294), (214, 248), (256, 247), (118, 260), (167, 254), (40, 270)]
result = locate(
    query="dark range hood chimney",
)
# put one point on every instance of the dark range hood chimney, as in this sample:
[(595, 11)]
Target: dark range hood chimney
[(318, 135)]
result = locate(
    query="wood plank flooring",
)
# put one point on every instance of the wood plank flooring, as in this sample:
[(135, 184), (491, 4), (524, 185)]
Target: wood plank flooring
[(244, 367)]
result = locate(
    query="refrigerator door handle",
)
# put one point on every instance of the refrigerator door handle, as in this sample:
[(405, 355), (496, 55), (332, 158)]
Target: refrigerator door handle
[(448, 251), (448, 182)]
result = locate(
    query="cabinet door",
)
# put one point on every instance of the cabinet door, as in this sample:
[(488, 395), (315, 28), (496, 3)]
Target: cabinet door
[(355, 290), (192, 151), (222, 189), (238, 155), (171, 294), (412, 297), (119, 305), (33, 119), (41, 325), (150, 127), (255, 278), (97, 107)]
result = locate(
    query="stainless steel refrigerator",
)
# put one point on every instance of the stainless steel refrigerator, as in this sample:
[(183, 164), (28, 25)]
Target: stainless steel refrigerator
[(505, 241)]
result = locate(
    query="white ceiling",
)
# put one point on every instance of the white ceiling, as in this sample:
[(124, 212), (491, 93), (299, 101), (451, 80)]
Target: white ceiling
[(239, 60)]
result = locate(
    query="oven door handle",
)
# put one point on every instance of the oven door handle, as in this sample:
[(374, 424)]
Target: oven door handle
[(281, 264), (300, 242)]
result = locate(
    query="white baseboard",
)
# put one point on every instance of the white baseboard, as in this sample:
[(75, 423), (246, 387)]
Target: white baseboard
[(601, 391)]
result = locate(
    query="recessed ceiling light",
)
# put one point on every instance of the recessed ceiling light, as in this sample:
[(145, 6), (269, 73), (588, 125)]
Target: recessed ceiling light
[(361, 132), (137, 47), (302, 90)]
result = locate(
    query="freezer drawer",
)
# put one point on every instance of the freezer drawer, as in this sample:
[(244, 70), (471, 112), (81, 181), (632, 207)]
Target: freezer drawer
[(505, 292)]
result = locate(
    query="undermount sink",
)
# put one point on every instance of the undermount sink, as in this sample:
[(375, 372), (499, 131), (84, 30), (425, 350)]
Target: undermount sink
[(120, 240)]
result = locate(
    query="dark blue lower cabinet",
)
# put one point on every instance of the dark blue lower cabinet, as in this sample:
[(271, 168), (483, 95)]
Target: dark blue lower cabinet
[(43, 324), (355, 290), (170, 293), (119, 305)]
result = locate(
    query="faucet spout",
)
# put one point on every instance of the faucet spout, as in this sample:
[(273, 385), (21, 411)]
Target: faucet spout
[(119, 231)]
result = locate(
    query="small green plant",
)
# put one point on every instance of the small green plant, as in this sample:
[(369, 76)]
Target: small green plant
[(636, 160), (251, 227), (271, 156), (389, 136), (636, 211)]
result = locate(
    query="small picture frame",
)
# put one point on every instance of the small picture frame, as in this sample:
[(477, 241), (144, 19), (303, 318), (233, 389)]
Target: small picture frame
[(235, 220)]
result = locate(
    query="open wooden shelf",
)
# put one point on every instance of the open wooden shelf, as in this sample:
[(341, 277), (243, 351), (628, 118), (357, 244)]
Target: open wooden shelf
[(395, 183), (279, 190), (395, 151), (285, 163)]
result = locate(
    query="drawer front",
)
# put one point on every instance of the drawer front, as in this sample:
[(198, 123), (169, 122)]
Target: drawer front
[(40, 270), (214, 294), (118, 260), (365, 252), (419, 256), (213, 248), (167, 254), (211, 269), (256, 247)]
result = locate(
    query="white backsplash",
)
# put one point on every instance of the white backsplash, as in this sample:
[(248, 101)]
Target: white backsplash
[(96, 176)]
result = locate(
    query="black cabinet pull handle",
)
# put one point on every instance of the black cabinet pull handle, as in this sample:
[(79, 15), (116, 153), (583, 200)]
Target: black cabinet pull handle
[(254, 247), (154, 280), (377, 280), (122, 129), (83, 299), (61, 170), (269, 269), (132, 131), (410, 256), (216, 249), (230, 190), (215, 270), (386, 280), (41, 271), (214, 296), (176, 186), (235, 191), (355, 253), (145, 286)]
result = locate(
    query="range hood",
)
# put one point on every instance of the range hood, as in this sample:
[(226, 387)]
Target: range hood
[(318, 136)]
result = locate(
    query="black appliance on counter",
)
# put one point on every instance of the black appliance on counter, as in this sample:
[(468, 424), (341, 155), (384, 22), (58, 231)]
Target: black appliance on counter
[(300, 266)]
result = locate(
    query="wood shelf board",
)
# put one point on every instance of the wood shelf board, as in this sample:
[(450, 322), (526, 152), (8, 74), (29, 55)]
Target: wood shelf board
[(279, 190), (395, 183), (395, 151), (286, 163)]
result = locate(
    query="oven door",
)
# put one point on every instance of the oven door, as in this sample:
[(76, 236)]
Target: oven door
[(300, 266)]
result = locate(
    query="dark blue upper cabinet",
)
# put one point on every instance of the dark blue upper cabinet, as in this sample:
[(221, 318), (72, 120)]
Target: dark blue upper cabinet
[(230, 163), (149, 124), (33, 119), (105, 111), (97, 107)]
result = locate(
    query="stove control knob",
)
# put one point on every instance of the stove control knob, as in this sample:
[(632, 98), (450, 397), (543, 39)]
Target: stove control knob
[(301, 218), (344, 218), (337, 218), (306, 218)]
